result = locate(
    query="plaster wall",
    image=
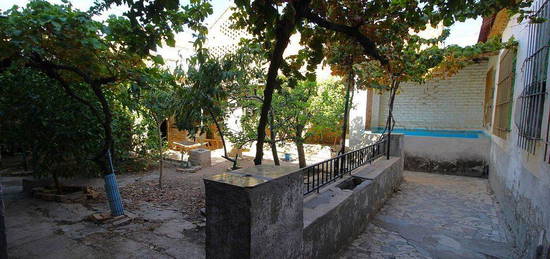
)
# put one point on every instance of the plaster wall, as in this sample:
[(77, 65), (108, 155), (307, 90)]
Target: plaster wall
[(521, 180), (454, 156)]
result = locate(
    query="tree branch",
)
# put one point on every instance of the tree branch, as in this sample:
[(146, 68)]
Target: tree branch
[(368, 45), (100, 81), (108, 131), (54, 75), (254, 97)]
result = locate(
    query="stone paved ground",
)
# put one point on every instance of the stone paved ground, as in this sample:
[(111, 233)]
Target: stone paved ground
[(166, 227), (436, 216)]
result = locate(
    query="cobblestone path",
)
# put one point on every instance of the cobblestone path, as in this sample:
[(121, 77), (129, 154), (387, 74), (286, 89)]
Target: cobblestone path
[(436, 216)]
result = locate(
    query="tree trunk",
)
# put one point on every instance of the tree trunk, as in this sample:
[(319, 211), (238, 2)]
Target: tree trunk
[(274, 152), (161, 160), (234, 161), (300, 146), (273, 142), (346, 112), (389, 122), (107, 161), (25, 162), (218, 127), (283, 31), (301, 154), (107, 131)]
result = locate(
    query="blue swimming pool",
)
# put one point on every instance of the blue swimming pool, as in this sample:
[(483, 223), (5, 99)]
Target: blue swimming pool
[(436, 133)]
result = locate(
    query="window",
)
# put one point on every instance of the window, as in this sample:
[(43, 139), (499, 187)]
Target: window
[(489, 94), (505, 94), (530, 104)]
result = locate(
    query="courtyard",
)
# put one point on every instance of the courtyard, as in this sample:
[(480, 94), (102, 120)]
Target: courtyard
[(437, 216), (274, 129), (431, 216), (165, 223)]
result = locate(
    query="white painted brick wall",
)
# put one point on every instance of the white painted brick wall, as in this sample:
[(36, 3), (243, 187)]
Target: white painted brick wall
[(453, 103)]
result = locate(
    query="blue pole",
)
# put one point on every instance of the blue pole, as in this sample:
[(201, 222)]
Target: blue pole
[(111, 189)]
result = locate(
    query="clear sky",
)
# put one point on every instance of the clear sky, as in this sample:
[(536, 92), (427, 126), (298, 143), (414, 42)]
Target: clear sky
[(462, 34)]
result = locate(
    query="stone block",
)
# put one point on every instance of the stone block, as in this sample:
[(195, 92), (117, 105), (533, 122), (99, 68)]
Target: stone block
[(200, 157), (255, 212)]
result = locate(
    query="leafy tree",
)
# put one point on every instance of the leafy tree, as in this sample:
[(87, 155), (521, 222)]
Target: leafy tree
[(251, 63), (307, 109), (45, 122), (158, 101), (87, 59), (363, 22), (148, 24), (205, 98)]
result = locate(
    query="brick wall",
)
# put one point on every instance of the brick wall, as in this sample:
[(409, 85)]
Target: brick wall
[(453, 103)]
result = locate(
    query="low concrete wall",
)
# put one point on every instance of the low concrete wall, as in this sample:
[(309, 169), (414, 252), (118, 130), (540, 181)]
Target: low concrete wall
[(337, 215), (455, 156), (522, 187), (261, 212)]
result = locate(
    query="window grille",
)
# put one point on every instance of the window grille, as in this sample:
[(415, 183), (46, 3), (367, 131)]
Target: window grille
[(505, 94), (530, 104), (489, 95)]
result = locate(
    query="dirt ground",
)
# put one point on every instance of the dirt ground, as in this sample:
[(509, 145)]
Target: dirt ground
[(167, 223), (184, 191)]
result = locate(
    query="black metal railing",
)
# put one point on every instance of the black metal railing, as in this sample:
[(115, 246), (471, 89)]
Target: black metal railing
[(325, 172), (529, 112)]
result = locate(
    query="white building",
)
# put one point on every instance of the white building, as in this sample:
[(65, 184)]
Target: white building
[(519, 127), (496, 116)]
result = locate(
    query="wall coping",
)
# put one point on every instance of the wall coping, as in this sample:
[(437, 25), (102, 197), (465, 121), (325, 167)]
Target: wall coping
[(252, 176)]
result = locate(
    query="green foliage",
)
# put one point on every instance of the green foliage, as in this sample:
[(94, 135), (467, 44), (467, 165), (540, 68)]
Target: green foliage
[(148, 24), (416, 59), (361, 30), (308, 109), (204, 98), (60, 132), (86, 74)]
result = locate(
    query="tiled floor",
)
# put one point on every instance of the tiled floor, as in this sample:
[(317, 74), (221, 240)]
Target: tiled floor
[(436, 216)]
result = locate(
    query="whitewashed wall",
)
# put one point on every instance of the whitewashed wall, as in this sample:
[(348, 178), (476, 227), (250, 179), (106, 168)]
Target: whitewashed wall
[(453, 103), (521, 180)]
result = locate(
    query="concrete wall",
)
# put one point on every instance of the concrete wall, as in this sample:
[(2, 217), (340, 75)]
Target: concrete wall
[(255, 212), (453, 103), (260, 212), (520, 180), (334, 217), (455, 156)]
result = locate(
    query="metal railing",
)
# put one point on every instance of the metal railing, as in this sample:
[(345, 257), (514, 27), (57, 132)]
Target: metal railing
[(529, 112), (325, 172)]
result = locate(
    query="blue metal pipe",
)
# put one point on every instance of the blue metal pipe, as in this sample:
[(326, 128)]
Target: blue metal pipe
[(111, 188), (113, 195)]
